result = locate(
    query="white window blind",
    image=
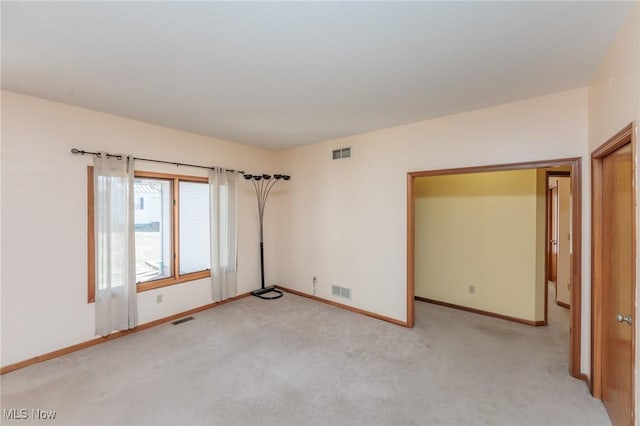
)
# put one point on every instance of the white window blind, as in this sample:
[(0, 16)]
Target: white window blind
[(195, 246)]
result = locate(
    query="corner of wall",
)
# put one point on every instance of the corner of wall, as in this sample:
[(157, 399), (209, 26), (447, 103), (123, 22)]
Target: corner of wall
[(541, 242)]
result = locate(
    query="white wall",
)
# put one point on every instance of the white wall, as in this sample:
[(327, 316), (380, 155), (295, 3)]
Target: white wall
[(344, 221), (44, 225), (614, 102), (614, 92)]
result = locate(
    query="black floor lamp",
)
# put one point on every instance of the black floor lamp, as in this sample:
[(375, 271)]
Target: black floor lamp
[(263, 184)]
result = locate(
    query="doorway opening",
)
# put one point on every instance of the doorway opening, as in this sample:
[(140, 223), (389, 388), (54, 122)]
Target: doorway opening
[(559, 236), (574, 167)]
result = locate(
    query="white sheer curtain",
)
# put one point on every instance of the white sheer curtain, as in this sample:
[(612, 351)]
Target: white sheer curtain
[(116, 307), (223, 199)]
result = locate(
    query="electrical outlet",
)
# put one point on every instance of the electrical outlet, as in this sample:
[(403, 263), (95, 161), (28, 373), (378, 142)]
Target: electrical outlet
[(315, 280), (158, 298), (472, 289)]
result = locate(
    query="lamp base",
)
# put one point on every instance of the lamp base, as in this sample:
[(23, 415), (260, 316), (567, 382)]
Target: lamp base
[(263, 293)]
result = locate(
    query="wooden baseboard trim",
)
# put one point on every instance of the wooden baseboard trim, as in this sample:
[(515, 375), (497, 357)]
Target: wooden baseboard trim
[(585, 378), (481, 312), (343, 306), (112, 336), (562, 304)]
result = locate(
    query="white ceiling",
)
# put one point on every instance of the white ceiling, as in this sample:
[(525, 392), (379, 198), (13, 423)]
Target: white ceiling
[(276, 75)]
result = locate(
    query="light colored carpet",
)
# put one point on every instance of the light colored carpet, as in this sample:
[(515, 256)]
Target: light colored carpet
[(294, 361)]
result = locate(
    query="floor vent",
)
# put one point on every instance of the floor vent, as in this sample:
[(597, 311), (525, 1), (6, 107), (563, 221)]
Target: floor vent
[(342, 292), (181, 320), (341, 153)]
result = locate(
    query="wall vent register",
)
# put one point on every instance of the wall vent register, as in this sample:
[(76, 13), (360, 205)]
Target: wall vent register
[(342, 292), (341, 153)]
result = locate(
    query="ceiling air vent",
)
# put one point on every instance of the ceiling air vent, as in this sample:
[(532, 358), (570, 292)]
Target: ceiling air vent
[(341, 153)]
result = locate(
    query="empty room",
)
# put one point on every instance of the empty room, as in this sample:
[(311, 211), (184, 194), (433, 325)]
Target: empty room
[(319, 213)]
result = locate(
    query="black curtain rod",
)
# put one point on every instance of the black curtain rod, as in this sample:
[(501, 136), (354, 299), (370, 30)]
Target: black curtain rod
[(119, 157)]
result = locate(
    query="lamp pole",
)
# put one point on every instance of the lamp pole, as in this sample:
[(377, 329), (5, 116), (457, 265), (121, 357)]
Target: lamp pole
[(262, 185)]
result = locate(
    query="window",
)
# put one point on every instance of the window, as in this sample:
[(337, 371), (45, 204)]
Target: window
[(195, 238), (171, 229), (154, 256)]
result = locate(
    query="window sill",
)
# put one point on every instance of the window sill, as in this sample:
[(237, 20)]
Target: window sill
[(166, 282), (150, 285)]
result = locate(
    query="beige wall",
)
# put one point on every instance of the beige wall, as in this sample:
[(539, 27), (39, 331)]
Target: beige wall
[(44, 219), (614, 92), (614, 102), (480, 230), (344, 221)]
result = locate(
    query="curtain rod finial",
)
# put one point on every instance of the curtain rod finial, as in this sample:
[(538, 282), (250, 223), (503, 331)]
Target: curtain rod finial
[(75, 150)]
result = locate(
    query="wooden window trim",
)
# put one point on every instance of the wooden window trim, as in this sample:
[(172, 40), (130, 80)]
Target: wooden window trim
[(176, 277), (170, 176), (164, 282)]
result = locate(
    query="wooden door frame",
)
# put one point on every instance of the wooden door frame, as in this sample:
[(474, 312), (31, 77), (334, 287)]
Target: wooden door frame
[(576, 230), (623, 137), (549, 226)]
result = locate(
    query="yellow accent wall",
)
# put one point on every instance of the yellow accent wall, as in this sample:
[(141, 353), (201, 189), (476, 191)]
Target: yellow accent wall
[(484, 230)]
